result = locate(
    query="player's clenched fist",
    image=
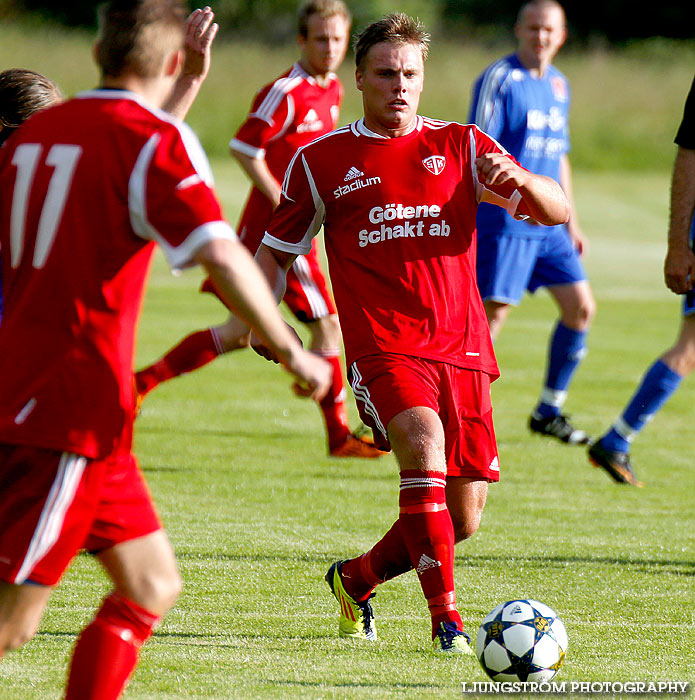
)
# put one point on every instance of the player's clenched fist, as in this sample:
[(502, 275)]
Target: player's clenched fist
[(497, 168)]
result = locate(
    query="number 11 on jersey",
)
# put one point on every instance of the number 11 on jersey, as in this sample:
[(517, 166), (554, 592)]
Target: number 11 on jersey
[(63, 159)]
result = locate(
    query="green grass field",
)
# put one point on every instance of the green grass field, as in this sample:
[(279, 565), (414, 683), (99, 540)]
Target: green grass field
[(257, 512)]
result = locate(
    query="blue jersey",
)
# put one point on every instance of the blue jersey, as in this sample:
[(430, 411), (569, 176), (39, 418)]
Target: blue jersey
[(529, 117)]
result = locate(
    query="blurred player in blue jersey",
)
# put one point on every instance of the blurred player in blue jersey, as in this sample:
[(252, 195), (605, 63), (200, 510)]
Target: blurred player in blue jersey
[(612, 451), (523, 101)]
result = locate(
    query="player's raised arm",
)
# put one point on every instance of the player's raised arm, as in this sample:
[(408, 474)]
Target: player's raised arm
[(200, 33), (542, 198), (679, 264), (243, 288)]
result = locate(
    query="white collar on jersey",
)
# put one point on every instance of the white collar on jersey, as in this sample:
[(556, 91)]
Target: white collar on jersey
[(363, 130), (297, 70)]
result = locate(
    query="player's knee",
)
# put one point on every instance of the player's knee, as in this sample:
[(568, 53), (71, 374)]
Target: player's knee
[(234, 341), (465, 527), (417, 440), (424, 452), (587, 311), (156, 591)]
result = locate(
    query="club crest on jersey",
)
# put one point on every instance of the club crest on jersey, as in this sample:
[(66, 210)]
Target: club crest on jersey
[(435, 164), (559, 88)]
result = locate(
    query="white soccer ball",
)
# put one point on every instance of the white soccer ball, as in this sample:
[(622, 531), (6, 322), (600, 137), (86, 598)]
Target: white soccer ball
[(521, 640)]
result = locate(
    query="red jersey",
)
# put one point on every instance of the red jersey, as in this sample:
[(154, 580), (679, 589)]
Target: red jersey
[(85, 187), (399, 228), (285, 115)]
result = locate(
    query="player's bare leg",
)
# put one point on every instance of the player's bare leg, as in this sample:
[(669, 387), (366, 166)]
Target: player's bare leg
[(567, 348), (417, 439), (497, 313), (21, 609), (611, 451), (146, 585), (421, 538), (465, 498), (681, 357), (576, 304)]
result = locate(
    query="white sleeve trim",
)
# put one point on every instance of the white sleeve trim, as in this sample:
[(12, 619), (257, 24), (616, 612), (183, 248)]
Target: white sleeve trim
[(181, 256), (293, 248), (246, 149), (510, 204), (483, 194)]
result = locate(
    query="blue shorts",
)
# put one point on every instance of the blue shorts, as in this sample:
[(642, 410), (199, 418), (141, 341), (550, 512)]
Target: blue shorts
[(510, 265)]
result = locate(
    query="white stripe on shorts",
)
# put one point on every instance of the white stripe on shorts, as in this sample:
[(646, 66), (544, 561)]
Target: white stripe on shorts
[(362, 394), (61, 495)]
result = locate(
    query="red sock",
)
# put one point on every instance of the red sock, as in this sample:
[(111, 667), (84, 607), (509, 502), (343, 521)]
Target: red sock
[(106, 652), (333, 404), (429, 536), (194, 351), (387, 559)]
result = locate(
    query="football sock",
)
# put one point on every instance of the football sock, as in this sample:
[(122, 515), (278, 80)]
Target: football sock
[(107, 651), (566, 350), (333, 405), (387, 559), (657, 386), (428, 534), (192, 352)]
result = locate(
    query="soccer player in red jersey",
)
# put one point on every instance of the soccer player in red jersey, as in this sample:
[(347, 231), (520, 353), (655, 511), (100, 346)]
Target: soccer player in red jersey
[(286, 114), (87, 188), (397, 195)]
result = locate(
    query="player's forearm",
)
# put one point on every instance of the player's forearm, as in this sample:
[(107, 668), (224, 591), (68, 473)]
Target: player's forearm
[(260, 175), (244, 289), (682, 201), (183, 95), (568, 189), (544, 200)]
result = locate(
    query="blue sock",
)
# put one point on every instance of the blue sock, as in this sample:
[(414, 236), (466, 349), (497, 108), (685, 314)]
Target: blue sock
[(656, 388), (567, 349)]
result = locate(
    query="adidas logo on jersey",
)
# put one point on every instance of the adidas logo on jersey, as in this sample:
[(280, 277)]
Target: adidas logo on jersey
[(426, 563), (494, 465), (311, 122), (352, 174)]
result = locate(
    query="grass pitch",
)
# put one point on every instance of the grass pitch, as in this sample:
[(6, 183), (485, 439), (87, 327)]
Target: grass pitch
[(257, 511)]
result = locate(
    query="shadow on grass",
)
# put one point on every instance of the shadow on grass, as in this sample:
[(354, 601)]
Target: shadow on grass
[(209, 432), (650, 566)]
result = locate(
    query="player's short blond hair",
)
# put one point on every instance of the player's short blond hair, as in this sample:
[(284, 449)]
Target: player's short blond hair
[(136, 36), (322, 8), (397, 28)]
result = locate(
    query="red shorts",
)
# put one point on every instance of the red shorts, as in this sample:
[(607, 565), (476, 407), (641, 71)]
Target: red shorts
[(54, 504), (385, 385), (307, 294)]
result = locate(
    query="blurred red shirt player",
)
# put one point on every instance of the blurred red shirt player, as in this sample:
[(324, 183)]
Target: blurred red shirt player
[(293, 110), (86, 189)]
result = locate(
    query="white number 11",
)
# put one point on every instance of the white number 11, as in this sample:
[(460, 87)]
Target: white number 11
[(63, 158)]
